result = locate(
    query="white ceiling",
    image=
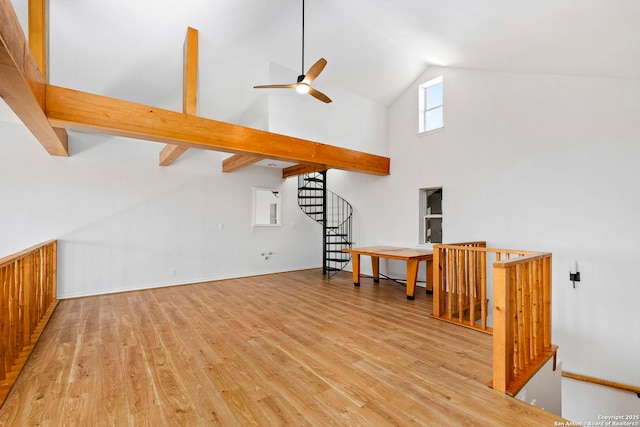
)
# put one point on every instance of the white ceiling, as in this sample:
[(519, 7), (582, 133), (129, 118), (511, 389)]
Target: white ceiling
[(375, 48)]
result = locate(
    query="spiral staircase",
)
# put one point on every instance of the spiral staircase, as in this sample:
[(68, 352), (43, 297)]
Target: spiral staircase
[(333, 213)]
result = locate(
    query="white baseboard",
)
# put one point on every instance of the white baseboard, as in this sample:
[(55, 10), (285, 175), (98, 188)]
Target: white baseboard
[(62, 296)]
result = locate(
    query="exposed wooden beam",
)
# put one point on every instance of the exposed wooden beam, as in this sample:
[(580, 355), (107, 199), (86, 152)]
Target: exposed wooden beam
[(84, 111), (170, 153), (238, 161), (190, 72), (302, 169), (39, 34), (22, 86), (39, 46), (189, 92)]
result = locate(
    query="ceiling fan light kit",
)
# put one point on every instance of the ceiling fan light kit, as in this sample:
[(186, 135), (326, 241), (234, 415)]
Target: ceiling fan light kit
[(302, 88), (303, 85)]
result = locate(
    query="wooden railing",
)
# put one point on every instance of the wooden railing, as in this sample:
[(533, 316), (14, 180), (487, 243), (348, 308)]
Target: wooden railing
[(521, 299), (27, 300), (460, 282), (610, 384), (521, 320)]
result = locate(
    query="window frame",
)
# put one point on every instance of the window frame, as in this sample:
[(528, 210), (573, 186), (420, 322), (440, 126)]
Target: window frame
[(424, 215), (423, 110)]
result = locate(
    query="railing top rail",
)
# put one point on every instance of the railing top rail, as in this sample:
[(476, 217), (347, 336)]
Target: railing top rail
[(17, 256), (483, 249), (482, 243), (593, 380), (521, 259)]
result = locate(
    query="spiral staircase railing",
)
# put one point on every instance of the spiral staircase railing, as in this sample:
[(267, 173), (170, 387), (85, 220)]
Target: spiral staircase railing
[(333, 213)]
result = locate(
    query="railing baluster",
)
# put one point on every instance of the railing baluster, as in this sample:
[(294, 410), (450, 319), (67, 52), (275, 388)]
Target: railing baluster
[(520, 316), (460, 270), (512, 313), (546, 301), (451, 282), (4, 278), (27, 300), (472, 286), (483, 289)]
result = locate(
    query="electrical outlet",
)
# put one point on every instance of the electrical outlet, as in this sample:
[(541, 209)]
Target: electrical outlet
[(172, 272)]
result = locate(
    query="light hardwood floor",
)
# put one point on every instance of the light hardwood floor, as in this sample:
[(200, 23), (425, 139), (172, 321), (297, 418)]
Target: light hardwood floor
[(285, 349)]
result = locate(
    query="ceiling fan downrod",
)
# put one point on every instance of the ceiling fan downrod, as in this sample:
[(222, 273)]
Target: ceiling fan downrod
[(302, 72), (303, 84)]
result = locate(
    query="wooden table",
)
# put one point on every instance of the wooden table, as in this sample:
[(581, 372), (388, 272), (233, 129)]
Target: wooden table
[(411, 256)]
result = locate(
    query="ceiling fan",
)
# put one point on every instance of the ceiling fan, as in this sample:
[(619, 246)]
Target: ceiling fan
[(303, 85)]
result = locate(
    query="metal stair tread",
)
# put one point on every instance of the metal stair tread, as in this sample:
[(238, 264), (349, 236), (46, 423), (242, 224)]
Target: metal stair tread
[(334, 210)]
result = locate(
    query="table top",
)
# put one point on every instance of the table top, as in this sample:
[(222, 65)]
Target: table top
[(393, 252)]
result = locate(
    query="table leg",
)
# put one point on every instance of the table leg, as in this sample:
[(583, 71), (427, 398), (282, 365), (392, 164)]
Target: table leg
[(429, 278), (375, 266), (412, 277), (355, 263)]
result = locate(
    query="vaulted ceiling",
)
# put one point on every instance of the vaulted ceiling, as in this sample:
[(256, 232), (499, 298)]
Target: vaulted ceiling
[(132, 50)]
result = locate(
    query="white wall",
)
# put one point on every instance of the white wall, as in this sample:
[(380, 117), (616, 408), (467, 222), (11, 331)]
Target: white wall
[(537, 162), (544, 390), (584, 402), (125, 223), (349, 121)]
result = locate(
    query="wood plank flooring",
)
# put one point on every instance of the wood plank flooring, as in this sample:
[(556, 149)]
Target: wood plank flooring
[(285, 349)]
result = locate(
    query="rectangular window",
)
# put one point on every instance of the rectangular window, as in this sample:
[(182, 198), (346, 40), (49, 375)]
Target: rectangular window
[(431, 105), (430, 215)]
